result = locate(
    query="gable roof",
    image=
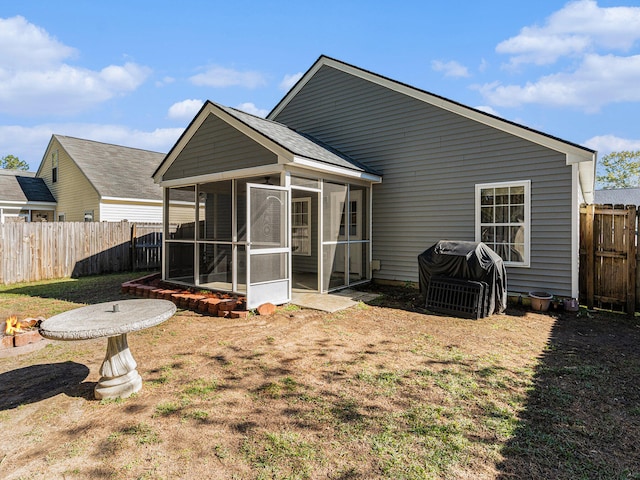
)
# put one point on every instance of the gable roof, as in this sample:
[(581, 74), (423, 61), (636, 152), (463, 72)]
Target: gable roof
[(618, 196), (20, 186), (113, 170), (578, 154), (275, 136)]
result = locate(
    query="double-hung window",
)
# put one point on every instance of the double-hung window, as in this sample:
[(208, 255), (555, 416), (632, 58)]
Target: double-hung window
[(503, 212), (54, 166), (301, 226)]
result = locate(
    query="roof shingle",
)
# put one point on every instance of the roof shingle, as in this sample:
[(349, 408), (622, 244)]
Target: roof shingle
[(114, 170)]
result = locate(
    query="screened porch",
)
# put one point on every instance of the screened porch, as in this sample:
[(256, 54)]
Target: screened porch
[(264, 236)]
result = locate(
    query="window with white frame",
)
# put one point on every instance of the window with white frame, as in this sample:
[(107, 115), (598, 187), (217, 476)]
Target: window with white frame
[(54, 166), (301, 226), (503, 219)]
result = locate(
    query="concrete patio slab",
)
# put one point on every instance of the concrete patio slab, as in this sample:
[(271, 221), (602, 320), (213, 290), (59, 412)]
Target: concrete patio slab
[(332, 302)]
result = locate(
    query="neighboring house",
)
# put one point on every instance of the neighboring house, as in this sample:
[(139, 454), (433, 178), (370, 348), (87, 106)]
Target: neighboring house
[(24, 198), (618, 196), (94, 181), (352, 175)]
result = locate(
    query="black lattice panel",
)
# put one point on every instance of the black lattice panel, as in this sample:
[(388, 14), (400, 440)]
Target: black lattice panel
[(459, 298)]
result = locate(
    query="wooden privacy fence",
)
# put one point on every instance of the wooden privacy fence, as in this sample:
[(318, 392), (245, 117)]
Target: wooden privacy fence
[(47, 250), (608, 257)]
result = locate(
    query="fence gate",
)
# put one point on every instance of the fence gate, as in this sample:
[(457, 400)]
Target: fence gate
[(146, 246), (608, 265)]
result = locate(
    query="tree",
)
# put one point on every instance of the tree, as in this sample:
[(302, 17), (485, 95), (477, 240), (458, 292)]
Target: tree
[(13, 163), (622, 170)]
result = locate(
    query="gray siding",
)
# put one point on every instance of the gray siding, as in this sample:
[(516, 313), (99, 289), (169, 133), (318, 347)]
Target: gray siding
[(218, 147), (431, 160)]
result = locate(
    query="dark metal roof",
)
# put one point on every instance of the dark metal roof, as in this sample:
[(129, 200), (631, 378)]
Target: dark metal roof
[(618, 196), (18, 186), (114, 170)]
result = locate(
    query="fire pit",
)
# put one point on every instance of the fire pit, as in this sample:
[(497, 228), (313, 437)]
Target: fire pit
[(19, 333), (119, 377)]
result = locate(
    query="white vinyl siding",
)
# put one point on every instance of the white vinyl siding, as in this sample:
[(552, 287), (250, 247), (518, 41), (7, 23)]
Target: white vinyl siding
[(132, 212)]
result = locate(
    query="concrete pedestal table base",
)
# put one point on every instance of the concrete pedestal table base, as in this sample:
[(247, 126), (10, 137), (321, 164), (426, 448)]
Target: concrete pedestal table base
[(119, 377)]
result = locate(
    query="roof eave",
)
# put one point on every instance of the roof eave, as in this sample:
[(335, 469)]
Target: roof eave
[(324, 167)]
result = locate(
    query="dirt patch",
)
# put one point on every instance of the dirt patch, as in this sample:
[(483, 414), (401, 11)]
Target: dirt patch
[(375, 391)]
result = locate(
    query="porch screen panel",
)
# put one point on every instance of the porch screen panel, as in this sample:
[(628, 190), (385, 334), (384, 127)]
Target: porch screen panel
[(182, 213), (268, 210), (334, 274), (335, 203), (180, 265), (269, 267), (216, 221), (216, 263)]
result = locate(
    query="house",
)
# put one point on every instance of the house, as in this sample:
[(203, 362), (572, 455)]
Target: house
[(94, 181), (618, 196), (352, 175), (23, 197)]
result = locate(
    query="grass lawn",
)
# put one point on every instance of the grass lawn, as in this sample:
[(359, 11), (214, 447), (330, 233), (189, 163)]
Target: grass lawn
[(383, 390)]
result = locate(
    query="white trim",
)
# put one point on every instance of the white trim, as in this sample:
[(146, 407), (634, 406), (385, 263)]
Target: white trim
[(587, 174), (527, 212), (28, 203), (130, 200), (226, 175), (343, 171), (575, 231)]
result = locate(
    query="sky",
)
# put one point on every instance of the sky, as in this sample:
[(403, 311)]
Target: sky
[(136, 72)]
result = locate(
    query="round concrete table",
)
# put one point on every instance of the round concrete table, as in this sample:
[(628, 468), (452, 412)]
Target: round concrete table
[(119, 377)]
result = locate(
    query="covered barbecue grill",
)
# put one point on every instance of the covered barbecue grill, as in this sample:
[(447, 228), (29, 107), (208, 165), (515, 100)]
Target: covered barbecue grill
[(463, 278)]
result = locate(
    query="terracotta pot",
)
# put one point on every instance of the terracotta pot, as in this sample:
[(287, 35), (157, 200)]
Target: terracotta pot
[(540, 301)]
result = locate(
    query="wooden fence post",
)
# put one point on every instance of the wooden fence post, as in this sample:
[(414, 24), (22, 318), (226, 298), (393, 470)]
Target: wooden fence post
[(132, 250), (631, 259), (590, 254)]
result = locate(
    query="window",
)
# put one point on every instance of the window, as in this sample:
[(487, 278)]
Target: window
[(301, 226), (61, 217), (503, 220), (88, 216), (54, 166)]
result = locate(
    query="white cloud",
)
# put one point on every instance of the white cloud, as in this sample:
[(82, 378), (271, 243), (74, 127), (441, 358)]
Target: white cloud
[(289, 81), (216, 76), (606, 144), (487, 109), (252, 109), (185, 109), (450, 69), (30, 143), (598, 81), (579, 27), (24, 45), (34, 80), (165, 81)]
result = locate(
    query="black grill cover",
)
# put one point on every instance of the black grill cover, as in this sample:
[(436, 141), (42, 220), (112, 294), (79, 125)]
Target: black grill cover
[(467, 261)]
